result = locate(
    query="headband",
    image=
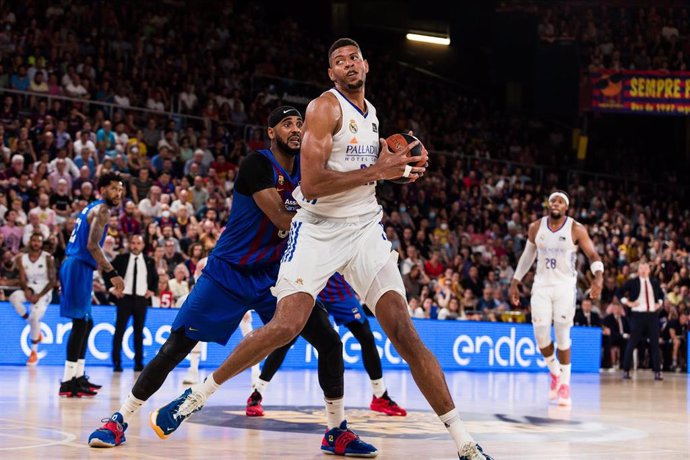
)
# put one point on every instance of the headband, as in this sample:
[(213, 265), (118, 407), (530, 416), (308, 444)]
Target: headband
[(562, 195), (282, 113)]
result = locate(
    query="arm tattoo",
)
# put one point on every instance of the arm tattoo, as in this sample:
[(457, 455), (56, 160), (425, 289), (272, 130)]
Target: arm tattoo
[(98, 223)]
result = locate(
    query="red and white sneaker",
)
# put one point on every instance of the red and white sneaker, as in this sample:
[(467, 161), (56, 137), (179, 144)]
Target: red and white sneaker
[(254, 407), (386, 405), (553, 388), (564, 396)]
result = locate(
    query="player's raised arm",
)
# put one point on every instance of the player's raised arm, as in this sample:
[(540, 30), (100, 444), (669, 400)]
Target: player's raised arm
[(581, 237)]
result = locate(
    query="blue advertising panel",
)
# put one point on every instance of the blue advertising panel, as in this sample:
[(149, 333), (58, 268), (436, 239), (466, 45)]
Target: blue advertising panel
[(458, 345)]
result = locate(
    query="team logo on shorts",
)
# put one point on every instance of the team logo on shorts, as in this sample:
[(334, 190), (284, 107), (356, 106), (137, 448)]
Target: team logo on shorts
[(353, 127)]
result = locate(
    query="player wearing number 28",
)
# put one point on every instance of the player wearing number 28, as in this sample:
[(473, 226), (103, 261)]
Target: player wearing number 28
[(553, 241)]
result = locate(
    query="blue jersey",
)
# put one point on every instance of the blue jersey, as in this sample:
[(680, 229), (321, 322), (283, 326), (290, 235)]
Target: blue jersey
[(79, 239), (250, 239)]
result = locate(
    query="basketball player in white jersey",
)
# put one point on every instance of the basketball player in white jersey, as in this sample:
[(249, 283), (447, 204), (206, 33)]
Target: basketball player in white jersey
[(36, 281), (192, 375), (337, 229), (553, 240)]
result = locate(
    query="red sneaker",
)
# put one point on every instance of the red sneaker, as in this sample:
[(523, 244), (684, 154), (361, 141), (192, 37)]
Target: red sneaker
[(387, 406), (254, 408)]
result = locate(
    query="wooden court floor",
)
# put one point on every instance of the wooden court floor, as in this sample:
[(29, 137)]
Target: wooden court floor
[(508, 413)]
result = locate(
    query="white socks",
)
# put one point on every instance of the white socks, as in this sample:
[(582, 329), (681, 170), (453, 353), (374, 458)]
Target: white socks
[(194, 358), (130, 406), (456, 429), (552, 364), (565, 373), (378, 387), (335, 412), (80, 367), (70, 371), (260, 386), (208, 386)]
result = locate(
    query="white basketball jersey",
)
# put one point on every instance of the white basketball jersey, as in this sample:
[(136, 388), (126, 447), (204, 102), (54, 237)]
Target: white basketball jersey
[(556, 254), (36, 272), (355, 146)]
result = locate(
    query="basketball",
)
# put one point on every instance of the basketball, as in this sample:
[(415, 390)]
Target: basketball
[(397, 143)]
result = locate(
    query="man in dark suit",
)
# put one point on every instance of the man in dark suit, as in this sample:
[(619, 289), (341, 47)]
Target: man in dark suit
[(615, 335), (643, 296), (141, 282), (584, 316)]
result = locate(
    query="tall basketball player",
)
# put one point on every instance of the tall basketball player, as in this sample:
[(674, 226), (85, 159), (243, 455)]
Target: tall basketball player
[(84, 255), (238, 277), (36, 282), (337, 229), (340, 302), (553, 240)]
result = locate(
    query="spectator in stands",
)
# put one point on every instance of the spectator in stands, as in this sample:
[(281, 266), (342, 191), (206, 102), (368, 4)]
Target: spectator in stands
[(151, 206), (34, 226), (179, 285), (46, 215), (171, 257), (487, 302), (585, 316)]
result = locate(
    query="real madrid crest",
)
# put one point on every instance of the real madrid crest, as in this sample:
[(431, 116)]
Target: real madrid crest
[(353, 127)]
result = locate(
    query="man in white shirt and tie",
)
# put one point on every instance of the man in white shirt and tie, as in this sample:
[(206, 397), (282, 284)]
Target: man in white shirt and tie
[(643, 297), (141, 281)]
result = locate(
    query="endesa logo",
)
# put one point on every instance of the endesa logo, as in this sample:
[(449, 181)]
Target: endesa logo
[(504, 351)]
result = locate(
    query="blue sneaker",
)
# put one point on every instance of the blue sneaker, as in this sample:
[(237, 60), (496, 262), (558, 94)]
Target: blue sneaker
[(111, 434), (167, 419), (343, 441), (473, 451)]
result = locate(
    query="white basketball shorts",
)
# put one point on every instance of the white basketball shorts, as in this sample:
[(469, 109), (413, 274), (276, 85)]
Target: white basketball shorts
[(318, 247), (553, 304)]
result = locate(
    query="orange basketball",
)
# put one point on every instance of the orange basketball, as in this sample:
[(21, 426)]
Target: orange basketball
[(397, 142)]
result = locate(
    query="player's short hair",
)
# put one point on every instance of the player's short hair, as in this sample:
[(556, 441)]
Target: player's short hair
[(339, 43), (107, 178)]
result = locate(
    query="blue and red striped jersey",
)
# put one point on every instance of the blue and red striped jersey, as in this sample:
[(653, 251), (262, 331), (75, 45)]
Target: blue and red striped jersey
[(250, 238), (336, 290)]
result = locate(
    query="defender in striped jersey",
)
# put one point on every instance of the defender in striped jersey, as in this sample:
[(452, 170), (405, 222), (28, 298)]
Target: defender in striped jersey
[(238, 276), (339, 299)]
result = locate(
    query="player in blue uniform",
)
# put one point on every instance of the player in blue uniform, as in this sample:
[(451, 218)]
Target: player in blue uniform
[(238, 276), (84, 254), (339, 299)]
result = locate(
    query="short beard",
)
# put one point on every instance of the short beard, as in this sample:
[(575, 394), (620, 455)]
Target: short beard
[(285, 148), (356, 85), (555, 215), (109, 201)]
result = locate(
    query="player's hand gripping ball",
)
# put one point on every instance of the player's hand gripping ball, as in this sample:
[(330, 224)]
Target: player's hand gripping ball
[(398, 142)]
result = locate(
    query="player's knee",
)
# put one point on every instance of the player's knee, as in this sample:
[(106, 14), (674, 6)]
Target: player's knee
[(283, 332), (562, 331), (542, 334)]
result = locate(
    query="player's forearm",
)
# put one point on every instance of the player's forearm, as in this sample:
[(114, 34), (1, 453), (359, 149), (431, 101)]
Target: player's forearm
[(98, 254), (49, 287), (328, 182)]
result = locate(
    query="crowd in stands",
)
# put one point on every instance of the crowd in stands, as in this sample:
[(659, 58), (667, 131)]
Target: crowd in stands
[(619, 37), (459, 231)]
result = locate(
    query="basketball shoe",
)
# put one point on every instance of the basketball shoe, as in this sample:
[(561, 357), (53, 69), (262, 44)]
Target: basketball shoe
[(473, 451), (72, 389), (564, 396), (33, 359), (344, 441), (84, 382), (167, 419), (111, 434), (254, 407), (553, 388), (386, 405)]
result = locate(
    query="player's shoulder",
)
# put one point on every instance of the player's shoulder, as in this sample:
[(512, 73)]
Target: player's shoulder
[(324, 105), (254, 160)]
